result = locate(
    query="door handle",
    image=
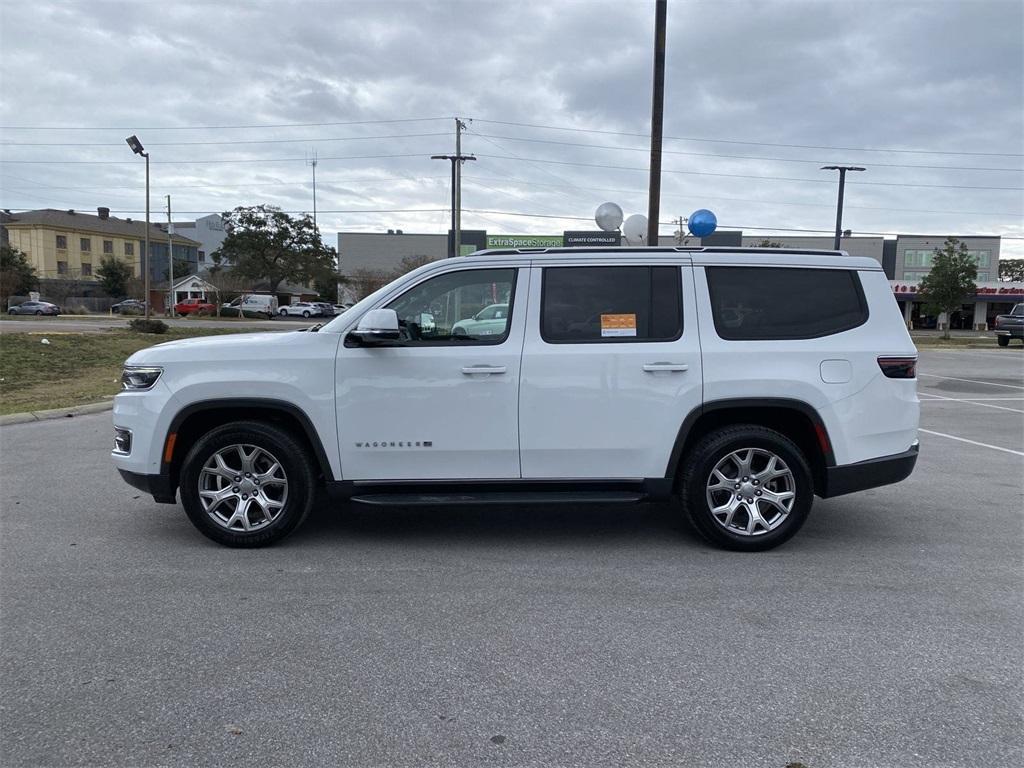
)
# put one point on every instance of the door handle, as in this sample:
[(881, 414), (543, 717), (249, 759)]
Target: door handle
[(672, 367), (470, 370)]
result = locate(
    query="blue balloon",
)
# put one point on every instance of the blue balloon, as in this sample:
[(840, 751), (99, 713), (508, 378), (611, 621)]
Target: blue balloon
[(702, 223)]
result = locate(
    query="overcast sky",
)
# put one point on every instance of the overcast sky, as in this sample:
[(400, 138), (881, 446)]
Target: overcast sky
[(758, 96)]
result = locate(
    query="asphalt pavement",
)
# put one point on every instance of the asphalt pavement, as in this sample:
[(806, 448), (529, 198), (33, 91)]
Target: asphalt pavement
[(886, 633)]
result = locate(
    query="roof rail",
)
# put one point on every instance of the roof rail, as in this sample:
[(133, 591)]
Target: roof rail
[(654, 249)]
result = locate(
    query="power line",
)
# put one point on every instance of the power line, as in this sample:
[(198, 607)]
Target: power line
[(745, 176), (743, 157), (474, 179), (751, 143), (214, 127), (119, 144), (201, 162)]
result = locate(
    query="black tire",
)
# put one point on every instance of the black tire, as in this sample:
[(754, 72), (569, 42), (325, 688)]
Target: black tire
[(1003, 341), (39, 312), (702, 459), (11, 312), (283, 312), (286, 449), (305, 314)]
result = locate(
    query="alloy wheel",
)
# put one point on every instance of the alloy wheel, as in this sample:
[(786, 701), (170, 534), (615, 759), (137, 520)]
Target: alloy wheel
[(243, 488), (750, 492)]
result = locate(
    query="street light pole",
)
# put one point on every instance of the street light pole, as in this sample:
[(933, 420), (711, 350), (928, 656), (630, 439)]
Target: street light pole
[(657, 121), (842, 190), (170, 258), (138, 149)]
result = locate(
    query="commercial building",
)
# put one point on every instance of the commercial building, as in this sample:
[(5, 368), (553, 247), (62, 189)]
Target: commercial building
[(906, 259), (69, 245), (208, 232)]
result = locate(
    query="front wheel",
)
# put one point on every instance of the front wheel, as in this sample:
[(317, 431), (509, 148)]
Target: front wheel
[(283, 313), (305, 314), (1003, 341), (247, 484), (746, 488), (39, 312), (11, 312)]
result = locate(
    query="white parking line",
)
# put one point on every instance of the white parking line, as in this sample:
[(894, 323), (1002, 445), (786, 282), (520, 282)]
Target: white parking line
[(970, 381), (972, 399), (931, 397), (972, 442)]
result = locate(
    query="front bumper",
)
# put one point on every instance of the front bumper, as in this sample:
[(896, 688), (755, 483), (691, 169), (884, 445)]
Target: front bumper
[(885, 470), (1013, 333), (159, 486)]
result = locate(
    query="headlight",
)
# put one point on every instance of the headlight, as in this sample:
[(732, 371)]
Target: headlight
[(138, 378)]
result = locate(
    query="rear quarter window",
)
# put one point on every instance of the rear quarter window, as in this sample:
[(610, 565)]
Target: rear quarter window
[(762, 303)]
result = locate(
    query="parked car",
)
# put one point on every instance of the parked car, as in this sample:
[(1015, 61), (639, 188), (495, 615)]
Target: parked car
[(302, 309), (131, 305), (339, 308), (488, 321), (326, 308), (1010, 326), (34, 308), (737, 386), (262, 303), (190, 306)]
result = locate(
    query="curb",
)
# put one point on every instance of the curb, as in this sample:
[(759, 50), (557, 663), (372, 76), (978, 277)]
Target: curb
[(54, 413)]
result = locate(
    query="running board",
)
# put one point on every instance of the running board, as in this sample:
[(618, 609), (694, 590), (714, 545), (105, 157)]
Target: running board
[(499, 497)]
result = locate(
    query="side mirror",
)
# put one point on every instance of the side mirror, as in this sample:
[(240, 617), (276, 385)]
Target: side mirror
[(378, 326)]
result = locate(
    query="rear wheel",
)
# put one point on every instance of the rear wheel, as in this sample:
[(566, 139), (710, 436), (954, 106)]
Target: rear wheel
[(247, 484), (39, 311), (1003, 341), (746, 488)]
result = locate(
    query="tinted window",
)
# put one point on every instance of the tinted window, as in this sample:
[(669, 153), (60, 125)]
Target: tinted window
[(448, 308), (611, 304), (780, 303)]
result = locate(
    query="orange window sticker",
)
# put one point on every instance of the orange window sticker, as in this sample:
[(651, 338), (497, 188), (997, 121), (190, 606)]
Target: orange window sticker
[(618, 325)]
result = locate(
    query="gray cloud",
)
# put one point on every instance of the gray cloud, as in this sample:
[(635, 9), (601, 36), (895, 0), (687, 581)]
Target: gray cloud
[(933, 75)]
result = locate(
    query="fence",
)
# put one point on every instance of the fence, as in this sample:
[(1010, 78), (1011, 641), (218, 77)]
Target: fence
[(99, 304)]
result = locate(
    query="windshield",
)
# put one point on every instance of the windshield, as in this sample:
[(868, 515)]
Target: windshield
[(1018, 311)]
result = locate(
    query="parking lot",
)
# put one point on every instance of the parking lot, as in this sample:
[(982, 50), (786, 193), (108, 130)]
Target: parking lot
[(886, 633)]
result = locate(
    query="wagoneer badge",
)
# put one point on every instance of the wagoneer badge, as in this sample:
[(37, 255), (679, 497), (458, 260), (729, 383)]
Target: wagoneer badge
[(397, 444)]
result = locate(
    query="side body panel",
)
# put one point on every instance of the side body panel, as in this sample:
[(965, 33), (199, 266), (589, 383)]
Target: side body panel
[(591, 410), (865, 414)]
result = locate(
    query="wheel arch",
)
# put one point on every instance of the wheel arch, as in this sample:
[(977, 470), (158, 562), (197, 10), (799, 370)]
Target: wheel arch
[(796, 419), (196, 419)]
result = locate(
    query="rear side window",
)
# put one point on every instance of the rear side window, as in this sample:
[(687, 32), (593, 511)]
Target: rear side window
[(758, 303), (611, 304)]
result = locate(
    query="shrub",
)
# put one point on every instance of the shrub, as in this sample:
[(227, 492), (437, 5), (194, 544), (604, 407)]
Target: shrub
[(247, 313), (141, 325), (130, 311), (77, 310)]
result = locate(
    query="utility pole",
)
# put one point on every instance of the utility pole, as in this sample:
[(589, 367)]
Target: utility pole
[(454, 247), (839, 205), (170, 257), (657, 121), (679, 231), (313, 163)]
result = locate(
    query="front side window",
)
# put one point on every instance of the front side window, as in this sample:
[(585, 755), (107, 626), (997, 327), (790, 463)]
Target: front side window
[(469, 306), (760, 303), (582, 305)]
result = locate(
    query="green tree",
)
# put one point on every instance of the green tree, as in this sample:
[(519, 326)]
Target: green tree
[(766, 243), (1011, 269), (950, 281), (17, 276), (265, 243), (114, 275)]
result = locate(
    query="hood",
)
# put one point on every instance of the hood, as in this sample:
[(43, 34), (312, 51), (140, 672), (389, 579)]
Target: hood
[(274, 348)]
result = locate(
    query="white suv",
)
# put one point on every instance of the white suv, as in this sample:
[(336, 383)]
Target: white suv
[(740, 382)]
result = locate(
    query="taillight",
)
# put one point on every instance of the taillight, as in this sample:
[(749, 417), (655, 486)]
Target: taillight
[(898, 367)]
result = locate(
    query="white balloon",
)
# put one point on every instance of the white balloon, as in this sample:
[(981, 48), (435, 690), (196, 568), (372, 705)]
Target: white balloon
[(608, 216), (635, 230)]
